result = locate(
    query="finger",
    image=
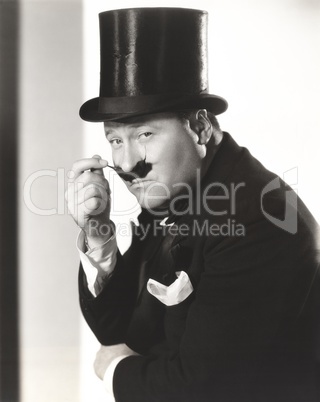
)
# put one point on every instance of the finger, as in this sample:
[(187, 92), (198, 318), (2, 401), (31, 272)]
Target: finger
[(95, 206), (97, 171), (82, 165), (92, 191), (88, 178), (77, 191)]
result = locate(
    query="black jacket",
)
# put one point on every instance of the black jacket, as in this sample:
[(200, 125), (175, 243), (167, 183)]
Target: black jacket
[(250, 330)]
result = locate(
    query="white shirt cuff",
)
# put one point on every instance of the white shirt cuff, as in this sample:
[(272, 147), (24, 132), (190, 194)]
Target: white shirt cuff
[(108, 375), (98, 263)]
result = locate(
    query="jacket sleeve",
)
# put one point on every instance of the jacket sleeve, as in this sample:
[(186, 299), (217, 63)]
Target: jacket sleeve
[(109, 313), (251, 290)]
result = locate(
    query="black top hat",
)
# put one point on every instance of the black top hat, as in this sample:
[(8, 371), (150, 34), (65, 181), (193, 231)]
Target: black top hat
[(152, 60)]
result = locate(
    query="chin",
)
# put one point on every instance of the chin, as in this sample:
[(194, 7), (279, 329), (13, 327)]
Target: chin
[(155, 203)]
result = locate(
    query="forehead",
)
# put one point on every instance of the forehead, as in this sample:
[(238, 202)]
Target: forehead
[(157, 120)]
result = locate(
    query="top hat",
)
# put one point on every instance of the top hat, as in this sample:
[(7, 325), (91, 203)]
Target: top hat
[(152, 60)]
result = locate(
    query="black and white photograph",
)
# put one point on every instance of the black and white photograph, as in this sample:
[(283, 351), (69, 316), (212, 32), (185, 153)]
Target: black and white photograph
[(160, 201)]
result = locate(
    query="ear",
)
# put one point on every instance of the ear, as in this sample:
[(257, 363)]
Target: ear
[(202, 126)]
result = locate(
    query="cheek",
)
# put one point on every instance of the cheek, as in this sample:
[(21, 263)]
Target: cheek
[(174, 160), (184, 162), (169, 153), (167, 164)]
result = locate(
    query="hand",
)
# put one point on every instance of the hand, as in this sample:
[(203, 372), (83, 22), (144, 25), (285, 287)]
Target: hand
[(106, 354), (88, 198)]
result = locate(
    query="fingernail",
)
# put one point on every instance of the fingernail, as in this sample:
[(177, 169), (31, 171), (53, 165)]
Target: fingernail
[(103, 162)]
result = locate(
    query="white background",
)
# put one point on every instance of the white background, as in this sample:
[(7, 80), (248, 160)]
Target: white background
[(264, 59)]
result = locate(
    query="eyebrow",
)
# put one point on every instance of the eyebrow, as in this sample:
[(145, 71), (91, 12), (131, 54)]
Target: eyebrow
[(132, 126), (108, 132)]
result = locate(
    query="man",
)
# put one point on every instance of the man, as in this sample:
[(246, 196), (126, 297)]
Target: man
[(217, 298)]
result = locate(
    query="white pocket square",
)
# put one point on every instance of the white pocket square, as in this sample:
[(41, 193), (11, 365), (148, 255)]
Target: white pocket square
[(176, 293)]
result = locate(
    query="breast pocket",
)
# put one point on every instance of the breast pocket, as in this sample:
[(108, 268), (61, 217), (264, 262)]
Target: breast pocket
[(173, 294)]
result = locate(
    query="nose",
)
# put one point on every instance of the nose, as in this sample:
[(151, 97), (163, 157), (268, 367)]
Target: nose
[(131, 155)]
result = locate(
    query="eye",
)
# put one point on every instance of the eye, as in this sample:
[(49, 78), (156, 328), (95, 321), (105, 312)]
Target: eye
[(145, 135), (115, 143)]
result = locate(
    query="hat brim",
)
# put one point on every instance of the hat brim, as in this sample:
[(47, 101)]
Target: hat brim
[(122, 108)]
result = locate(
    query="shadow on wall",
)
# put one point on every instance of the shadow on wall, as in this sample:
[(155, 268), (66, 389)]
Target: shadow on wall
[(9, 352)]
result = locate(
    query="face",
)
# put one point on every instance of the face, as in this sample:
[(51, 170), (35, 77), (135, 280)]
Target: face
[(171, 150)]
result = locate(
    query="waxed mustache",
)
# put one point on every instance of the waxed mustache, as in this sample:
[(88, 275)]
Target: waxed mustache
[(140, 170)]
